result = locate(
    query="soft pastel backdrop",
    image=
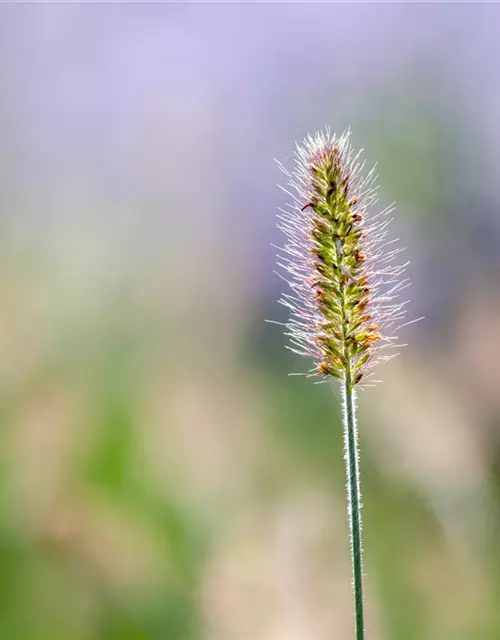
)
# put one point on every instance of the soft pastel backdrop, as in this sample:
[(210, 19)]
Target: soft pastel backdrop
[(161, 476)]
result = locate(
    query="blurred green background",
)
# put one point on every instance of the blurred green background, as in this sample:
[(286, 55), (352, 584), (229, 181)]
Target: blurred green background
[(161, 476)]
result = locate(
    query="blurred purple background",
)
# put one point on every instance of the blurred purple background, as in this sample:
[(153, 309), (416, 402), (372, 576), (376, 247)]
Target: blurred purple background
[(160, 474)]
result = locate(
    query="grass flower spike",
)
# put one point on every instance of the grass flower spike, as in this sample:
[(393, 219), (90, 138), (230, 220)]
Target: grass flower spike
[(345, 281)]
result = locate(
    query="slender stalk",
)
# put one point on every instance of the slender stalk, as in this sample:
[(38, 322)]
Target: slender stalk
[(351, 450)]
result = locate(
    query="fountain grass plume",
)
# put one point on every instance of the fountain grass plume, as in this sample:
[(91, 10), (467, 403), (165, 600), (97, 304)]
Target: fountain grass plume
[(345, 279)]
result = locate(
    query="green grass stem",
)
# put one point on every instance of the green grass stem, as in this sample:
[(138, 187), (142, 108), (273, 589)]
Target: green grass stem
[(351, 450)]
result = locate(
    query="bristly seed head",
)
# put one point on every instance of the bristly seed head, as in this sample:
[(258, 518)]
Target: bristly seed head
[(343, 307)]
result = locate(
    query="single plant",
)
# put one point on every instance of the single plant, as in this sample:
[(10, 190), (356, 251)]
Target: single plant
[(345, 284)]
